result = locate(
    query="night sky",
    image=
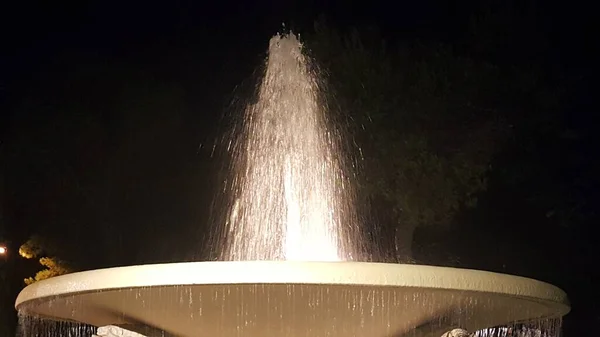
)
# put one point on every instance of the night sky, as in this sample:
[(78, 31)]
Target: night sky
[(109, 111)]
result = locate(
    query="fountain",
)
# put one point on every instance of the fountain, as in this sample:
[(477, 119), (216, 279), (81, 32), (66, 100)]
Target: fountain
[(291, 242)]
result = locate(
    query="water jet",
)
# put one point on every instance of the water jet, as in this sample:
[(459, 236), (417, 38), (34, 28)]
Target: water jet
[(291, 201)]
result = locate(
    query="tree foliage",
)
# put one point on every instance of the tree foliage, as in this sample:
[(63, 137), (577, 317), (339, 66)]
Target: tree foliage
[(53, 267), (427, 122), (38, 247)]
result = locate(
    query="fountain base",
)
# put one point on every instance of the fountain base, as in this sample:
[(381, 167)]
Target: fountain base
[(266, 298)]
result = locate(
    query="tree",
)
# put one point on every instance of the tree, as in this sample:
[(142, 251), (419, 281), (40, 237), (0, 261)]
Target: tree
[(53, 267), (35, 247), (426, 121)]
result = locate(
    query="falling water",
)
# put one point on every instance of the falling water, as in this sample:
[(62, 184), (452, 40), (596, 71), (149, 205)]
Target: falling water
[(34, 326), (290, 200), (290, 197)]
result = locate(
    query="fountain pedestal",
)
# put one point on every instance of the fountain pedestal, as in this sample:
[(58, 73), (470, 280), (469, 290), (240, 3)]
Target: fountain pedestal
[(264, 298)]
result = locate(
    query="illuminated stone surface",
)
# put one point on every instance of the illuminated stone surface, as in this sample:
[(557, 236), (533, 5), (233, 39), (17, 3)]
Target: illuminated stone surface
[(264, 298)]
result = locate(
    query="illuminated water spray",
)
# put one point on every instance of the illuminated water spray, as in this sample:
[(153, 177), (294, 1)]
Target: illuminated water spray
[(291, 199)]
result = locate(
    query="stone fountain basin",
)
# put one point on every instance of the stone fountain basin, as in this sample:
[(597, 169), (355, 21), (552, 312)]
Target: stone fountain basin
[(272, 298)]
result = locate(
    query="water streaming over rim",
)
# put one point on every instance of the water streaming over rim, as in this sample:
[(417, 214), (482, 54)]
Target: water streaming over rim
[(290, 200), (290, 197)]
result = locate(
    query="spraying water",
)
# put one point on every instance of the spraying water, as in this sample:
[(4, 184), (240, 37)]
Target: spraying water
[(291, 199)]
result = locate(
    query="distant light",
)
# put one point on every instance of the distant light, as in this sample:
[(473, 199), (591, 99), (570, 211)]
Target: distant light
[(3, 250)]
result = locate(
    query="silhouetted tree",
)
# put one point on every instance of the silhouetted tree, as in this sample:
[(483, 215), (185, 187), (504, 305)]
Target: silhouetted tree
[(427, 122)]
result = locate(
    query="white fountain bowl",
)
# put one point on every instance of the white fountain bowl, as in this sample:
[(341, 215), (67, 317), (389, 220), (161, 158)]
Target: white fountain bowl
[(267, 298)]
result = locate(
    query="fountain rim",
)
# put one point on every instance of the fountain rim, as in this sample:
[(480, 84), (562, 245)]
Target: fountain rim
[(292, 272)]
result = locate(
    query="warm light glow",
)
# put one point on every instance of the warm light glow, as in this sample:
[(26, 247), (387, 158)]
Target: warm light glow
[(290, 197), (3, 250), (283, 298)]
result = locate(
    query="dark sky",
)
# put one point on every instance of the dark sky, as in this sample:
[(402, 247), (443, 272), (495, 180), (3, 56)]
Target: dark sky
[(78, 158), (113, 186), (79, 163)]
